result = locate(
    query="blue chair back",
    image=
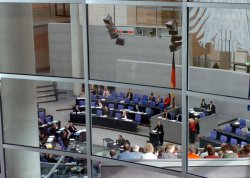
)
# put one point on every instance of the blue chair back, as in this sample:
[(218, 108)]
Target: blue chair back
[(213, 135), (144, 102), (111, 106), (99, 112), (122, 95), (93, 97), (152, 103), (120, 107), (92, 103), (119, 99), (127, 100), (202, 115), (242, 122), (111, 98), (41, 114), (145, 97), (131, 108), (228, 129), (101, 97), (135, 101), (223, 139), (238, 131), (118, 115), (138, 118), (138, 96), (233, 141), (161, 105), (81, 103), (48, 130), (48, 118)]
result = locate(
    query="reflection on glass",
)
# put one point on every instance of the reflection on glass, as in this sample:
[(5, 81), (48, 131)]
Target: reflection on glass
[(45, 30), (43, 165), (41, 117), (217, 130), (145, 53)]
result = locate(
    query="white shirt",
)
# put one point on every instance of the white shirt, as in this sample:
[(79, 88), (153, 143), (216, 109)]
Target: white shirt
[(149, 156)]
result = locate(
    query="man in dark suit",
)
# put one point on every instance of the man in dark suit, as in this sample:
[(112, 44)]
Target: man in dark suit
[(159, 129), (211, 107)]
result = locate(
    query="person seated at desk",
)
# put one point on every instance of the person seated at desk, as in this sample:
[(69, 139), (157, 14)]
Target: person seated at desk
[(76, 108), (125, 155), (124, 114), (65, 138), (120, 141), (40, 122), (99, 90), (203, 104), (42, 138), (106, 111), (151, 97), (112, 153), (158, 99), (159, 129), (148, 110), (82, 94), (92, 89), (129, 95), (72, 128), (99, 104), (211, 107), (192, 153), (54, 129), (166, 114), (106, 92), (137, 109), (167, 101)]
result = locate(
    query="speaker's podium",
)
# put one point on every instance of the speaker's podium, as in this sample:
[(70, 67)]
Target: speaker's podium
[(154, 138)]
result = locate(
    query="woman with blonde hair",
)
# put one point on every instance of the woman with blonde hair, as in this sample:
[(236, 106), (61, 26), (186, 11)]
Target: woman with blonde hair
[(149, 152)]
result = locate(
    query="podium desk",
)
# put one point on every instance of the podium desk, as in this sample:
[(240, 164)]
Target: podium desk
[(154, 138)]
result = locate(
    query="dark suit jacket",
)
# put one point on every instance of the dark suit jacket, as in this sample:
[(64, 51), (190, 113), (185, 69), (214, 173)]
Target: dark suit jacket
[(159, 129), (212, 108)]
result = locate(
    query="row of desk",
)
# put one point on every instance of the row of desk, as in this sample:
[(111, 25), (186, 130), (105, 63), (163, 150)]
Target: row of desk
[(145, 118), (109, 122), (155, 109)]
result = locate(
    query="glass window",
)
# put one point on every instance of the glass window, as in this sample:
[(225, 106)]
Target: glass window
[(218, 131), (43, 164), (134, 45), (40, 112), (219, 54), (40, 35), (136, 125)]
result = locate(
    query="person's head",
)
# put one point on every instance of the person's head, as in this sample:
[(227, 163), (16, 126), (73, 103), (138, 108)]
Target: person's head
[(149, 148), (211, 102), (158, 123), (126, 147), (136, 148), (112, 153), (151, 94), (105, 88), (158, 151), (234, 148), (203, 100), (170, 148), (169, 96), (124, 111), (246, 149), (106, 108), (191, 149), (120, 136), (141, 149), (210, 150), (224, 147), (165, 110)]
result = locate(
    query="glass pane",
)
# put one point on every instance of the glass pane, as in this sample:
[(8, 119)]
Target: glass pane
[(39, 112), (218, 130), (219, 60), (146, 122), (42, 165), (39, 42), (133, 46)]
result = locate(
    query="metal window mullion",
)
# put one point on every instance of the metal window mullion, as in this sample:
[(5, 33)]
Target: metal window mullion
[(184, 90), (86, 86), (2, 155)]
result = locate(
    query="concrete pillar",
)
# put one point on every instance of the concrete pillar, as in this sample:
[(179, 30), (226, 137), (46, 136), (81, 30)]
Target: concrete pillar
[(20, 125), (76, 47)]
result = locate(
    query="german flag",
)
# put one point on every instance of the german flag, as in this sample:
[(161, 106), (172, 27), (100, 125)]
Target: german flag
[(173, 74)]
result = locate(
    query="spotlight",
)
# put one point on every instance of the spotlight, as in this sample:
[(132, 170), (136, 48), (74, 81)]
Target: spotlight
[(120, 41), (175, 46), (108, 19), (171, 24), (176, 38)]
